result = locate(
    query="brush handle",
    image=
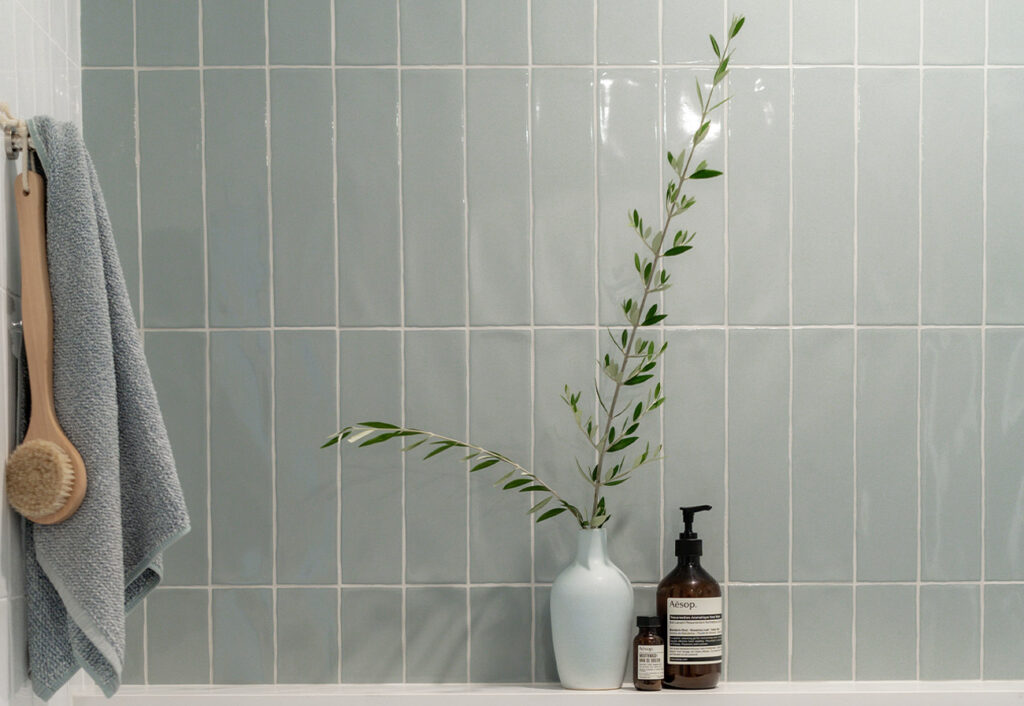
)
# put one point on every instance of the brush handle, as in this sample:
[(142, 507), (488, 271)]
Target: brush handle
[(36, 303)]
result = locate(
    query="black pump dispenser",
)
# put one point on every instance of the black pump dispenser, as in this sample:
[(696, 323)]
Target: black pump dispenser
[(689, 544)]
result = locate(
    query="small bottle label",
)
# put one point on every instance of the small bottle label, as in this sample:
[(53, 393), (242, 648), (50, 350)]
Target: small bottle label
[(694, 630), (650, 662)]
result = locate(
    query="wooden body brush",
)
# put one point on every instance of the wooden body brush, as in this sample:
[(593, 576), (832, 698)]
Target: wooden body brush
[(45, 474)]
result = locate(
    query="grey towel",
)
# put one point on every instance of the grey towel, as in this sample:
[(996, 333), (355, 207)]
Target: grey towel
[(82, 576)]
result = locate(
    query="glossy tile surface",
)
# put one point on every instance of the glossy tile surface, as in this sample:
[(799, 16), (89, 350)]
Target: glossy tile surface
[(499, 620), (431, 31), (167, 32), (303, 622), (299, 33), (107, 33), (823, 31), (176, 628), (371, 635), (954, 31), (756, 633), (950, 642), (234, 32), (497, 31), (1004, 645), (1004, 251), (562, 31), (886, 632), (366, 31), (890, 31), (436, 631), (243, 636), (627, 33), (822, 648)]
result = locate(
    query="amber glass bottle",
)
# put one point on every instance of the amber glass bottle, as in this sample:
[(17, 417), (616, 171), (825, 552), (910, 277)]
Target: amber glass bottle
[(648, 655), (690, 609)]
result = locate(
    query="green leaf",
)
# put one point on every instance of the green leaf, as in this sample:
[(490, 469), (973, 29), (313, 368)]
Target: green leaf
[(621, 444), (531, 488), (714, 45), (539, 505), (677, 250), (414, 444), (551, 513), (378, 439), (637, 379), (485, 464), (330, 442), (442, 446), (705, 174), (378, 425), (737, 25), (516, 483)]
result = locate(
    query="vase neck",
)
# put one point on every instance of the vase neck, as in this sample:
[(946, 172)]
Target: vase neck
[(591, 547)]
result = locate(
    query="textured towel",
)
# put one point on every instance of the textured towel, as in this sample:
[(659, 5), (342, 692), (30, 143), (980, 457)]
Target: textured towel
[(83, 575)]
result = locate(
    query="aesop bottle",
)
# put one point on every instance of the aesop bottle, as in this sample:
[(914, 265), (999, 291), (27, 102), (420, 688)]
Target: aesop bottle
[(690, 609)]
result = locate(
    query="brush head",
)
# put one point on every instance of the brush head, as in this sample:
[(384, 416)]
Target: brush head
[(40, 478)]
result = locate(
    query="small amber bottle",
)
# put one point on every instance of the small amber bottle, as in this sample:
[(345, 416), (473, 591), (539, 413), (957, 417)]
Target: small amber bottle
[(648, 655)]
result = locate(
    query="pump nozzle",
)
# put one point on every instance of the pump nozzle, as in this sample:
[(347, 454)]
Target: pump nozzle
[(688, 544), (688, 513)]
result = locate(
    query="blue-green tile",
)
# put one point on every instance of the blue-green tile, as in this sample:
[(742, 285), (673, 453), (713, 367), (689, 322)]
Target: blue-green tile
[(559, 357), (500, 626), (823, 31), (1004, 429), (177, 362), (369, 256), (627, 33), (685, 26), (107, 33), (433, 202), (822, 649), (302, 175), (545, 670), (823, 396), (306, 409), (366, 31), (886, 632), (765, 36), (951, 268), (108, 126), (1005, 17), (628, 165), (435, 497), (243, 636), (436, 635), (1004, 248), (887, 455), (562, 31), (241, 488), (371, 635), (499, 414), (758, 455), (234, 33), (176, 627), (496, 32), (134, 670), (1004, 641), (694, 375), (371, 478), (950, 639), (307, 635), (697, 294), (299, 32), (431, 31), (759, 208), (172, 203), (563, 195), (887, 197), (823, 207), (167, 32), (954, 31), (498, 173), (889, 31), (238, 238), (950, 455), (757, 630)]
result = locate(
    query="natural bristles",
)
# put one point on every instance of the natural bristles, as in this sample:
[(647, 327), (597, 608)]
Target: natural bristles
[(40, 478)]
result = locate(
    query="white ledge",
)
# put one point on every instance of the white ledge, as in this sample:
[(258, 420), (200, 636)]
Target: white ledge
[(894, 693)]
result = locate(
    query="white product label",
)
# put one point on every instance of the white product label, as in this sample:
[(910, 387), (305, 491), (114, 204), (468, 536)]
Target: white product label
[(694, 630), (650, 662)]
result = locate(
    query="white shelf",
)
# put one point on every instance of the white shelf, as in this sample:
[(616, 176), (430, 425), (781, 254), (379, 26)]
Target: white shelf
[(952, 693)]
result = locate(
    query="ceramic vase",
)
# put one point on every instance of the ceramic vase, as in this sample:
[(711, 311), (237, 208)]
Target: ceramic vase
[(591, 617)]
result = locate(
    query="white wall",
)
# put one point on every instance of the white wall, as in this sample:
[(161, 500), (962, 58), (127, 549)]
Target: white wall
[(39, 74)]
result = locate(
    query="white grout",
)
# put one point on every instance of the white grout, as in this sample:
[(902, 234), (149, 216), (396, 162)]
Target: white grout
[(789, 590), (984, 339), (466, 343), (533, 340), (856, 338), (401, 334), (920, 277), (337, 324)]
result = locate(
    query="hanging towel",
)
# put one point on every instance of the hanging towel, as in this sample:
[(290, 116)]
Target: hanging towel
[(82, 576)]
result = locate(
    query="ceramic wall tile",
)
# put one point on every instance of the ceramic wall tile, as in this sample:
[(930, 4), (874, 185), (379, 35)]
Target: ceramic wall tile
[(299, 33), (886, 632), (107, 33), (243, 636), (167, 32), (822, 648), (1004, 646), (756, 633), (307, 639), (766, 31), (234, 33), (497, 31), (627, 33), (889, 31), (431, 31), (684, 29), (1003, 249), (950, 637), (562, 31), (178, 640), (498, 178), (954, 31), (499, 619), (371, 635), (436, 631), (366, 31), (823, 31), (1005, 17)]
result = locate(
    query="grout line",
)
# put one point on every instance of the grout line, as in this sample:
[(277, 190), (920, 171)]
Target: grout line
[(984, 340), (596, 132), (273, 337), (725, 362), (856, 338), (402, 332), (458, 67), (920, 277), (337, 325), (789, 628), (533, 340), (466, 342), (590, 327), (661, 127)]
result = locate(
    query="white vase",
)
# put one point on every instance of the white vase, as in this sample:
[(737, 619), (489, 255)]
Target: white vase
[(591, 617)]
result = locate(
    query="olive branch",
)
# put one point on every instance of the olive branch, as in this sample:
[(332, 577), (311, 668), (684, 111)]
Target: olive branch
[(614, 426)]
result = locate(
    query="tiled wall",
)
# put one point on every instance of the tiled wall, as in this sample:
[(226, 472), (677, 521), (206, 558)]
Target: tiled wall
[(39, 74), (414, 210)]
